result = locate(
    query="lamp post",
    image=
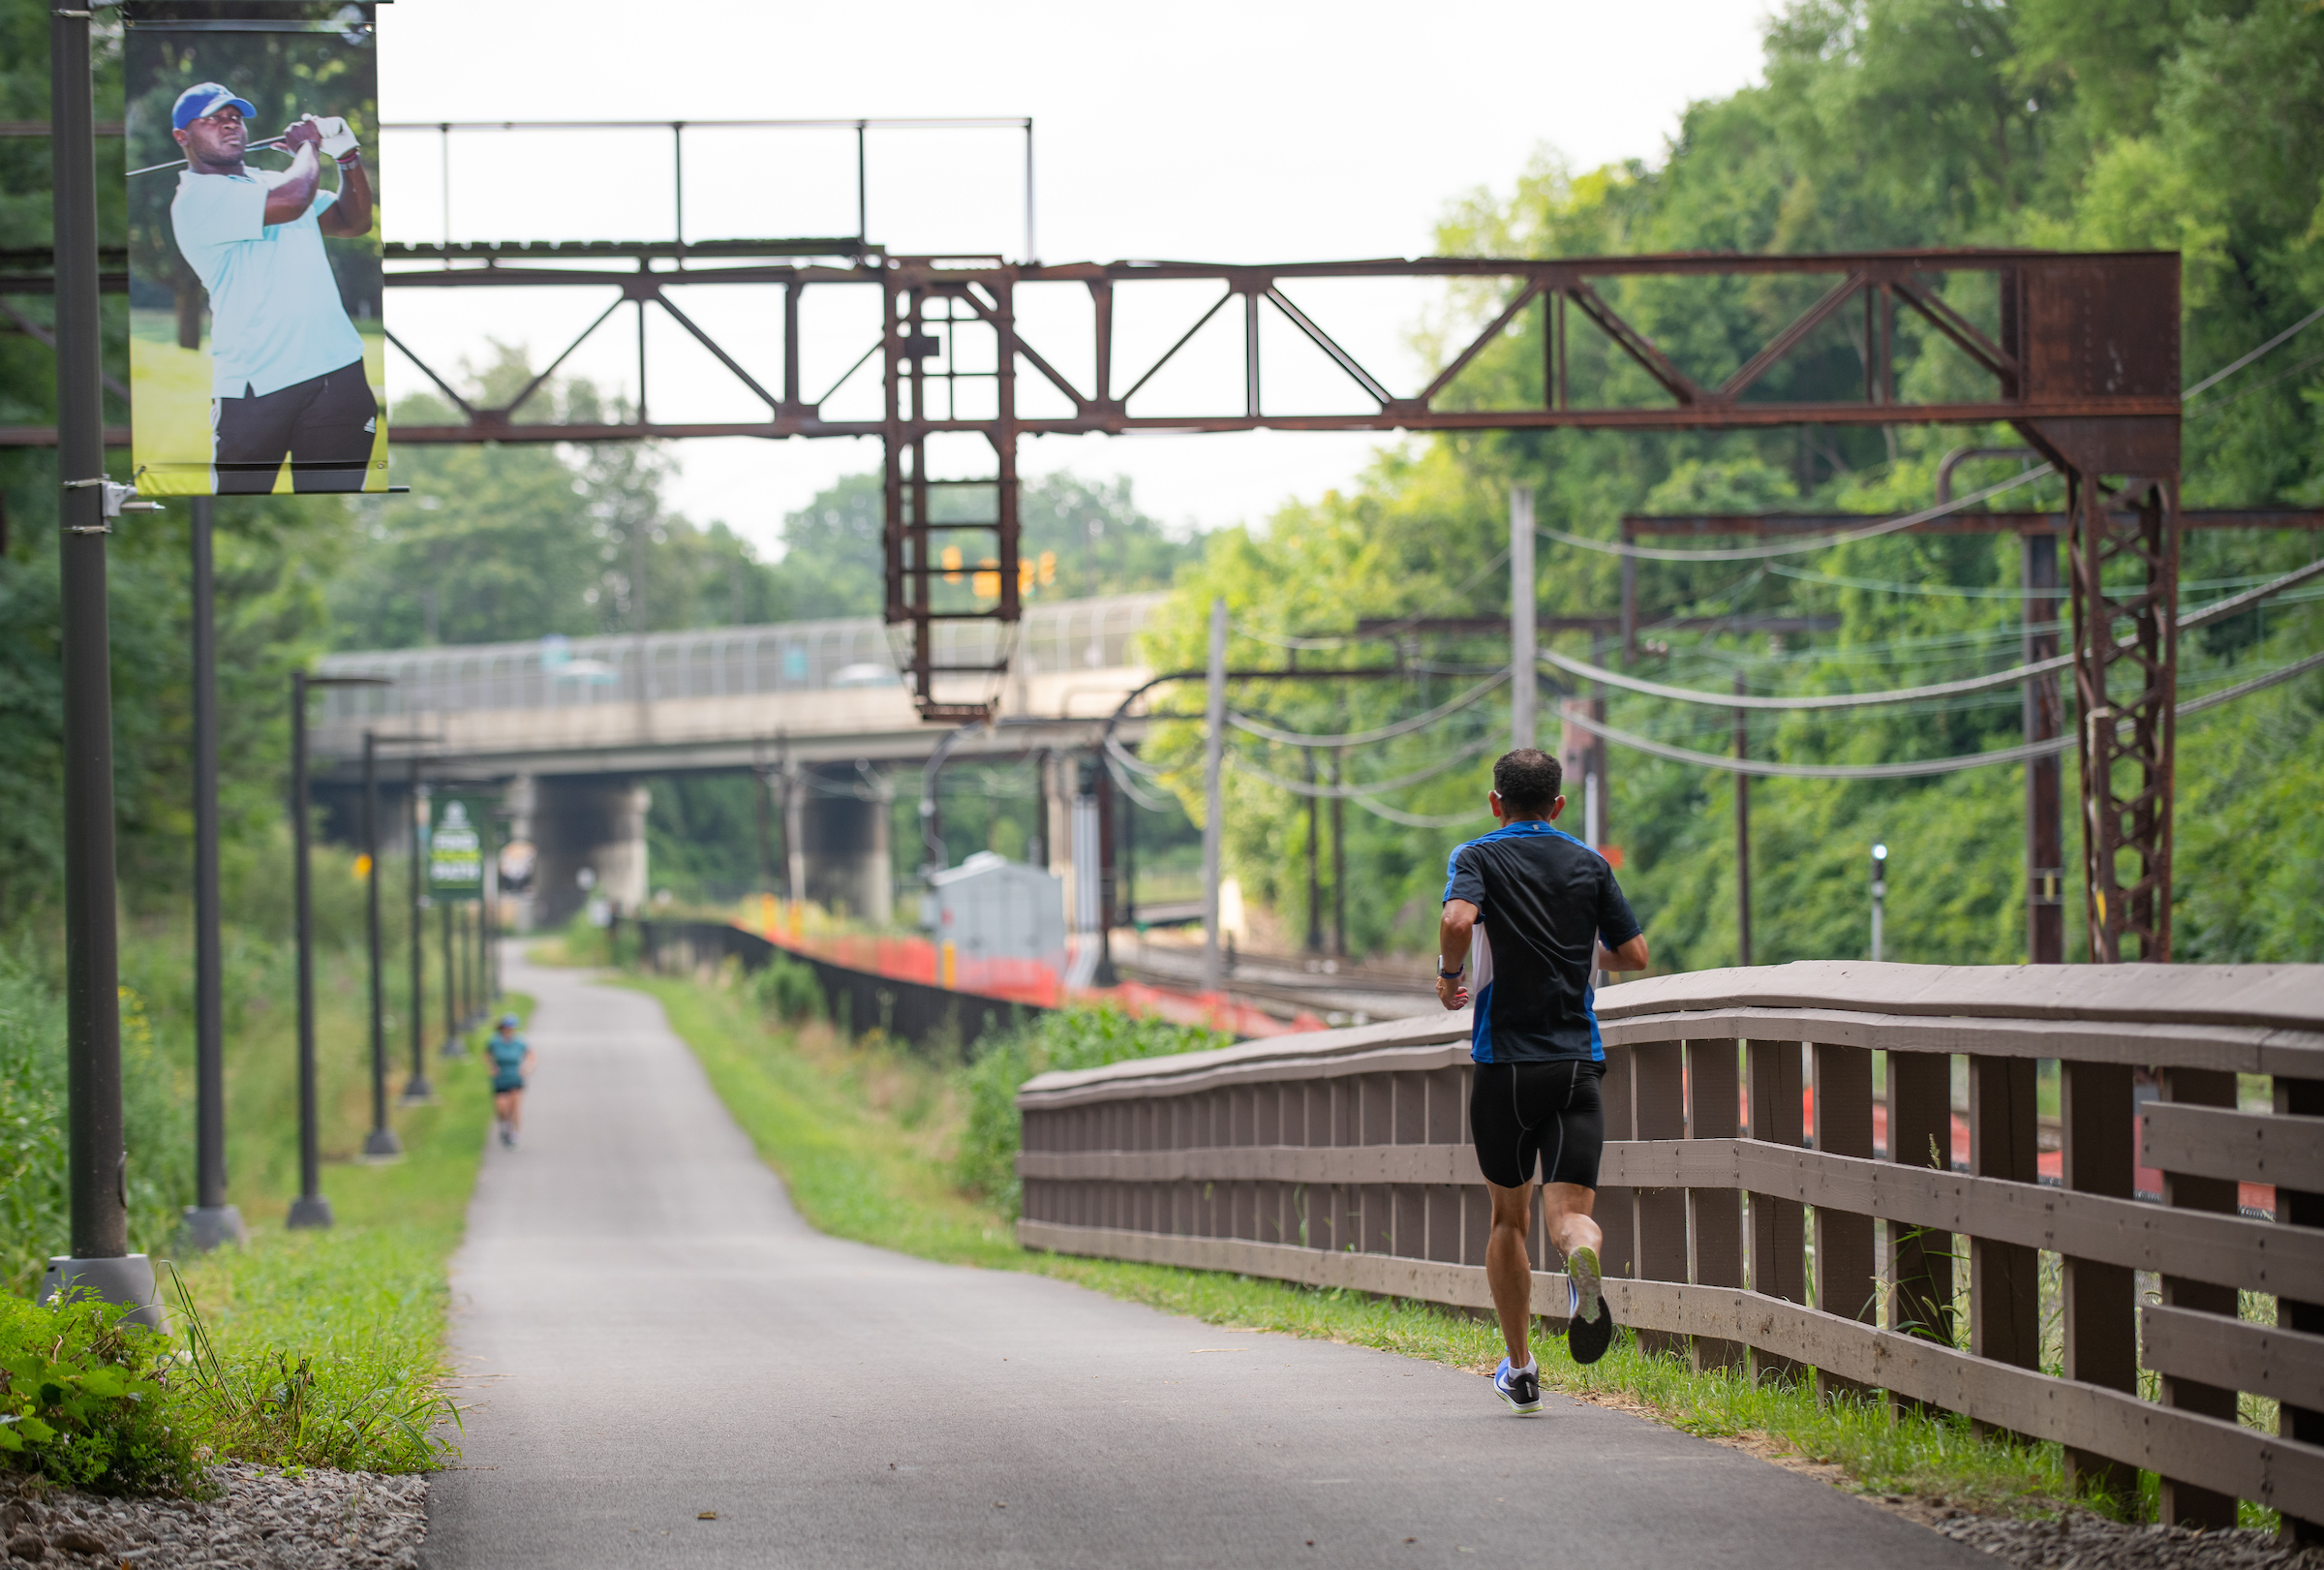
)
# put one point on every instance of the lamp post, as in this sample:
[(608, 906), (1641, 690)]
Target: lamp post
[(209, 1220), (382, 1145), (417, 1089), (310, 1209), (1880, 893)]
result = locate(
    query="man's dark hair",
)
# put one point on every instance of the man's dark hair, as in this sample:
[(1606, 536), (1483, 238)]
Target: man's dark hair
[(1528, 780)]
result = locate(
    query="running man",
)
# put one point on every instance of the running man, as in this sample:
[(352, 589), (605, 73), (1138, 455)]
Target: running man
[(286, 363), (512, 1058), (1541, 910)]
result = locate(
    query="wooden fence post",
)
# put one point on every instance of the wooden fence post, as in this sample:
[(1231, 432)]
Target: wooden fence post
[(2301, 1097), (1847, 1279), (1659, 1089), (1920, 1262), (2102, 1330), (1715, 1216), (1779, 1243), (2005, 1278), (2181, 1504), (1618, 1255)]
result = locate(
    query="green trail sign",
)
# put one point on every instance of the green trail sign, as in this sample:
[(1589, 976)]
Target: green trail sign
[(456, 850)]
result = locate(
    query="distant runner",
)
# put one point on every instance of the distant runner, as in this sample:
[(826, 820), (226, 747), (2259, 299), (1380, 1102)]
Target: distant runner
[(511, 1060), (1550, 912)]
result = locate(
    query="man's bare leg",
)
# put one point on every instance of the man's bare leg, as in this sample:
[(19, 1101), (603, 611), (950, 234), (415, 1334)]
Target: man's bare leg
[(1566, 1208), (1507, 1269)]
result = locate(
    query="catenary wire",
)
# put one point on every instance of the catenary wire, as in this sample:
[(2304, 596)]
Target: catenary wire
[(2283, 337), (1364, 738), (1755, 553)]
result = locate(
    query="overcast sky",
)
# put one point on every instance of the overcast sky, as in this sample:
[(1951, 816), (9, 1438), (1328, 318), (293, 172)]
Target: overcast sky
[(1199, 130)]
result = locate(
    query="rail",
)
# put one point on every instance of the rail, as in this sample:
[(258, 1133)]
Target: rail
[(1340, 1158)]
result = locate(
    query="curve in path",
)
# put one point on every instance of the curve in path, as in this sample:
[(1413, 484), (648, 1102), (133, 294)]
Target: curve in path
[(653, 1333)]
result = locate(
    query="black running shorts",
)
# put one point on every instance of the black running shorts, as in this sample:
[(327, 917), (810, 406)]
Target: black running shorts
[(1549, 1111)]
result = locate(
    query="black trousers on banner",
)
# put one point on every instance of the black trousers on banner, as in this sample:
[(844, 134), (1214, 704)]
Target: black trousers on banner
[(324, 425)]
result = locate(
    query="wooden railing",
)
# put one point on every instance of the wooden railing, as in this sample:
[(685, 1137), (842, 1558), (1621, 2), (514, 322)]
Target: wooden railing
[(1342, 1159)]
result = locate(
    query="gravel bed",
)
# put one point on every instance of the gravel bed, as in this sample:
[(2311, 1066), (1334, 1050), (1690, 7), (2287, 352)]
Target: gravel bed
[(2085, 1542), (267, 1520)]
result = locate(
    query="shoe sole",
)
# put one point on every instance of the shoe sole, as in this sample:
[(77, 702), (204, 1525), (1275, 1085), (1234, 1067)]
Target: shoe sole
[(1586, 1340), (1582, 1270)]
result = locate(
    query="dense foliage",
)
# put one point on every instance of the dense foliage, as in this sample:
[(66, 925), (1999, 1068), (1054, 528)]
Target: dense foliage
[(2179, 124)]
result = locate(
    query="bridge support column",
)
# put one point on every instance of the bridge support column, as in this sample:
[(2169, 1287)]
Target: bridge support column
[(843, 838), (589, 823)]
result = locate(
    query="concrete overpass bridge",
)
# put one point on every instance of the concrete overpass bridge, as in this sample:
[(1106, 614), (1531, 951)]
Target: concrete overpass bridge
[(567, 727)]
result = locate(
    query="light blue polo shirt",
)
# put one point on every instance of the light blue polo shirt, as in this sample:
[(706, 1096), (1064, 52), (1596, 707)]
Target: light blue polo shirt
[(275, 316)]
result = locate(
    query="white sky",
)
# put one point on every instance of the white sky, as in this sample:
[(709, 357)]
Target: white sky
[(1198, 131)]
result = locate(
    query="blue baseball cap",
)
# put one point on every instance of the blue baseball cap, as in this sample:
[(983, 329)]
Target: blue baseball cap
[(206, 98), (510, 1021)]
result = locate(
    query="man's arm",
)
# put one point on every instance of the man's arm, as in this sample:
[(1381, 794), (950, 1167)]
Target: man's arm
[(351, 214), (290, 200), (1631, 955), (1453, 933)]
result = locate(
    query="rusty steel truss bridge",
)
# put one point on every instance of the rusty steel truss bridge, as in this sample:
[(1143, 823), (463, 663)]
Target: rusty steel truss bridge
[(2078, 354)]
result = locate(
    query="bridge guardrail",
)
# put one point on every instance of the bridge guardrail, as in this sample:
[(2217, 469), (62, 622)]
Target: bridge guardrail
[(729, 662), (1342, 1159)]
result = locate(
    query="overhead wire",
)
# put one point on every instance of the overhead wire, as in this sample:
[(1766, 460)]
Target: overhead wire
[(1366, 738), (2282, 338), (1793, 547)]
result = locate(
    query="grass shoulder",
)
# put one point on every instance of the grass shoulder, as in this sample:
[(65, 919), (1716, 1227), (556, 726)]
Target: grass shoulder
[(868, 1136)]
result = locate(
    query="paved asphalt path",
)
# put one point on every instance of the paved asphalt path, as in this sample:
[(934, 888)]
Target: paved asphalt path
[(653, 1333)]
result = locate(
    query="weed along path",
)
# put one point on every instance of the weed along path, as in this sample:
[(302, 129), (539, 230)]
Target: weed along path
[(672, 1368)]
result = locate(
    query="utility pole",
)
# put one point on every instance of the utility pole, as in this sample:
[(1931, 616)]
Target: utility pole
[(381, 1144), (1339, 867), (1880, 894), (1214, 745), (100, 1264), (1743, 836), (310, 1209), (2045, 719), (209, 1220), (417, 1089), (1315, 892), (1522, 676)]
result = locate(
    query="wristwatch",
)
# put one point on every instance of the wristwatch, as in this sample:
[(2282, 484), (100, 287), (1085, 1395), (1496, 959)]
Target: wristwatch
[(1448, 975)]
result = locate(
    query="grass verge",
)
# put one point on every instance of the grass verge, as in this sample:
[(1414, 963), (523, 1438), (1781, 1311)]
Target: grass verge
[(326, 1348), (863, 1132)]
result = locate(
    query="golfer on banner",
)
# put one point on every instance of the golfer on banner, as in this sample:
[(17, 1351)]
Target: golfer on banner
[(287, 366)]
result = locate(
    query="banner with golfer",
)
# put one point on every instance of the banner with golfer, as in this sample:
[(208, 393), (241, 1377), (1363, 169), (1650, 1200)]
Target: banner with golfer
[(255, 341)]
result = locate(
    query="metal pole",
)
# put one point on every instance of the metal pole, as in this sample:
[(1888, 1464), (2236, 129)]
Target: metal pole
[(382, 1142), (1339, 868), (96, 1162), (1521, 674), (2044, 719), (209, 1220), (1315, 891), (1213, 804), (310, 1208), (1743, 836), (416, 1088), (1880, 894), (453, 1046)]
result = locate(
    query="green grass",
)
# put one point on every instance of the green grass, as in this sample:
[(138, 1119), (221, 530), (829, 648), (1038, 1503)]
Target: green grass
[(864, 1135), (329, 1345)]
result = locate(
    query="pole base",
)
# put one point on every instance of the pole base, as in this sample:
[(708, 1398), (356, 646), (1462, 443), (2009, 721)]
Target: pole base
[(454, 1046), (310, 1211), (207, 1226), (126, 1279), (418, 1092), (382, 1146)]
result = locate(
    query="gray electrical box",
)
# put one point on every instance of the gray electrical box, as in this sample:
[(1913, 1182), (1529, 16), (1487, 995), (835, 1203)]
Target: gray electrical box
[(990, 908)]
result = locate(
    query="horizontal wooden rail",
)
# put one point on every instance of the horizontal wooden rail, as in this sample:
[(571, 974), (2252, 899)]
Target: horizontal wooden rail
[(1339, 1158), (2220, 1142), (2234, 1354), (2231, 1251), (2206, 1450)]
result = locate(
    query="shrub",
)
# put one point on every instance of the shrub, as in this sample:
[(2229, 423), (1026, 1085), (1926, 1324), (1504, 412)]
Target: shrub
[(1068, 1039), (88, 1401), (786, 989)]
